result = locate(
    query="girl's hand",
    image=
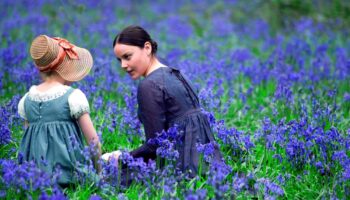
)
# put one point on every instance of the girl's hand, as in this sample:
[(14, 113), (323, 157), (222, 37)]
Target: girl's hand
[(113, 155)]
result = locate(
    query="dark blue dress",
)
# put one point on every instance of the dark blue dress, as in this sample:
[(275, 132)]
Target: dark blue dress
[(165, 97)]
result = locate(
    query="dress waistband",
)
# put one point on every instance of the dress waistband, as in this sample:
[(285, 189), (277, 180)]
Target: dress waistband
[(183, 115)]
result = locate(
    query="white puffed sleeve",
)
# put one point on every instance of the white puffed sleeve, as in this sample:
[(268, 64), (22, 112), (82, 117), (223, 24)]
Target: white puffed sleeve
[(21, 111), (78, 104)]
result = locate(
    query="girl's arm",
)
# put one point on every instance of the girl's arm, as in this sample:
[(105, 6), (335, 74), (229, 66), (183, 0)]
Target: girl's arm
[(91, 138), (26, 124)]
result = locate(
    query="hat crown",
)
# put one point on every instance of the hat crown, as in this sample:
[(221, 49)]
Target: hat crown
[(43, 50), (71, 62)]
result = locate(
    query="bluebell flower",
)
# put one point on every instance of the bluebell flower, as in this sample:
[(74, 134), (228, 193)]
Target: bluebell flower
[(166, 142), (166, 149), (271, 188), (57, 194), (95, 197), (340, 156), (26, 177), (122, 196), (281, 179), (296, 152), (2, 194), (285, 93), (196, 195), (346, 97), (221, 25), (111, 173), (216, 178), (44, 196), (5, 134), (303, 24), (98, 103), (207, 150), (138, 170), (346, 173), (278, 157), (178, 25), (239, 183), (241, 55)]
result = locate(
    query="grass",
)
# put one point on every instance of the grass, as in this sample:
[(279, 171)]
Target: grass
[(245, 110)]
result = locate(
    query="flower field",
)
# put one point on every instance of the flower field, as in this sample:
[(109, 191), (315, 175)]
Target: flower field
[(274, 87)]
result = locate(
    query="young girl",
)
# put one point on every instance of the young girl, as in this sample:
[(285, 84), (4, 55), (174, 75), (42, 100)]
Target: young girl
[(56, 115)]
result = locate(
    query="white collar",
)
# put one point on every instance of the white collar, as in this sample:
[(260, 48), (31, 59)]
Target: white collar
[(53, 93)]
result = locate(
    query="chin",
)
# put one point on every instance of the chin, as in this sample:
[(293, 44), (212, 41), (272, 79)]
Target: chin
[(135, 77)]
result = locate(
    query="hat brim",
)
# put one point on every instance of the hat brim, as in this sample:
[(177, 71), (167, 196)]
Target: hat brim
[(75, 69)]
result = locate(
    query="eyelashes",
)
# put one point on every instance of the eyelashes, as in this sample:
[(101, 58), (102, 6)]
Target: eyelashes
[(126, 57)]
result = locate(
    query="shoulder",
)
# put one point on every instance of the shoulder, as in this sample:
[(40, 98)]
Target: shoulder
[(23, 98), (77, 93), (153, 81), (78, 103), (77, 97)]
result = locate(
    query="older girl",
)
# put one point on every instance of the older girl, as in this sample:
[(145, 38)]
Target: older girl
[(165, 98)]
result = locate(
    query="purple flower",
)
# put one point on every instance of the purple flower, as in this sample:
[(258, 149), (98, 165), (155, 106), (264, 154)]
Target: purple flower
[(346, 97), (278, 157), (139, 170), (26, 177), (296, 152), (44, 196), (5, 134), (248, 144), (239, 183), (98, 103), (166, 149), (178, 25), (95, 197), (340, 156), (216, 178), (207, 150), (2, 194), (346, 173), (271, 188), (285, 93), (111, 173), (7, 114), (58, 195), (197, 195), (166, 143)]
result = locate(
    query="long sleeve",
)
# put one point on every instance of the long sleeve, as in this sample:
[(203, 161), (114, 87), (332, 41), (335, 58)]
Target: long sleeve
[(152, 115)]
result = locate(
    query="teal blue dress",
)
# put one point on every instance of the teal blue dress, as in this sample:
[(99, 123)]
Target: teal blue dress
[(53, 139)]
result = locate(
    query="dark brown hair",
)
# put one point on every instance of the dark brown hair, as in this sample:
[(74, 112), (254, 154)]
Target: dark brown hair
[(135, 36)]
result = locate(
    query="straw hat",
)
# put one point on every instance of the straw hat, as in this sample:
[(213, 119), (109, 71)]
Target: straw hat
[(72, 63)]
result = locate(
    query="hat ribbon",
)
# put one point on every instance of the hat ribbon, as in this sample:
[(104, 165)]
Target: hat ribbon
[(66, 48)]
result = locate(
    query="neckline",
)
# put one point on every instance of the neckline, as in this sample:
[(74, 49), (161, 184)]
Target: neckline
[(50, 94), (35, 87), (158, 69)]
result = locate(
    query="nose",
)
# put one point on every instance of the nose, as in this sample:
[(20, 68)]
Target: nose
[(124, 64)]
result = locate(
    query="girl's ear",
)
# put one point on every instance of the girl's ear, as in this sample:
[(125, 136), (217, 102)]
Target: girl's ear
[(148, 48)]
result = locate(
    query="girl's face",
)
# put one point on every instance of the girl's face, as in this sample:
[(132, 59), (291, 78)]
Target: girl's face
[(133, 59)]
